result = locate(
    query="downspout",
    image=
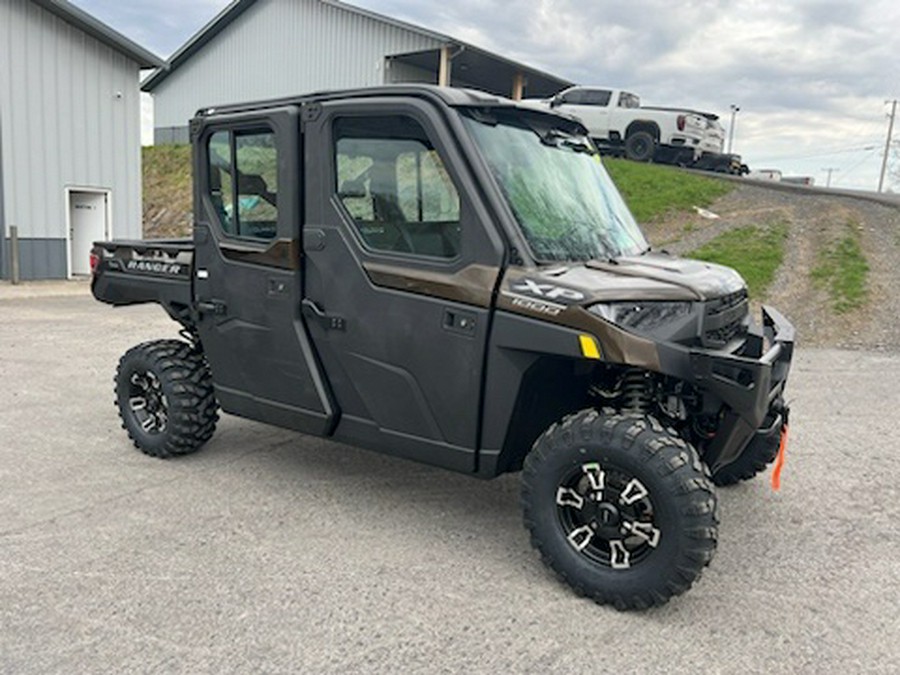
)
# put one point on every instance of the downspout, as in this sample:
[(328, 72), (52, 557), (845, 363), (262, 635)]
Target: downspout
[(3, 262)]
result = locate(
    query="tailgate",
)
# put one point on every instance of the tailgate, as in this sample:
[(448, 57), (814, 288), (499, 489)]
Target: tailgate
[(133, 272)]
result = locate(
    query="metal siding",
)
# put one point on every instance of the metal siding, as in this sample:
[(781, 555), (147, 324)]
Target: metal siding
[(64, 127), (283, 47), (41, 258)]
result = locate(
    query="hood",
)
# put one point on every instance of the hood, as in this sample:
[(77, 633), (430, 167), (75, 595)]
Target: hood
[(652, 276)]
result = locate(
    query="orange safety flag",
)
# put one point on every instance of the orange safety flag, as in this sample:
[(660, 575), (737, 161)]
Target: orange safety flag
[(779, 459)]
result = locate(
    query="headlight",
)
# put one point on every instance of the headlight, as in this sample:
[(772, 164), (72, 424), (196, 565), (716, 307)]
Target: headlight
[(643, 317)]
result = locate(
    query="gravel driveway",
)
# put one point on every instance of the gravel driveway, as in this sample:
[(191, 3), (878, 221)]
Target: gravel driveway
[(274, 552)]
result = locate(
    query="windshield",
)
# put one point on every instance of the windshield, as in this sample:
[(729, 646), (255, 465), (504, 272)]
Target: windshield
[(565, 203)]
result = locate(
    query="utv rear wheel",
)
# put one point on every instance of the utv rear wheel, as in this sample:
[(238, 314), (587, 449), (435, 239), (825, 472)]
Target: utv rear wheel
[(165, 398), (640, 146), (619, 508)]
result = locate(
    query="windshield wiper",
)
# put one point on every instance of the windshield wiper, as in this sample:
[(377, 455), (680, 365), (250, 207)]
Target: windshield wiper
[(579, 145), (550, 137)]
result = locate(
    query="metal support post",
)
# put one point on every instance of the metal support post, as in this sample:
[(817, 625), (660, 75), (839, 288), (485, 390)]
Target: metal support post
[(14, 253)]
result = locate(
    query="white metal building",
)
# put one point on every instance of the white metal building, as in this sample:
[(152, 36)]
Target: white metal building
[(258, 49), (70, 156)]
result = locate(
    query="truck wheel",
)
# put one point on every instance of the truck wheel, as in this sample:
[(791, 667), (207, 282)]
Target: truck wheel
[(621, 509), (640, 146), (165, 398)]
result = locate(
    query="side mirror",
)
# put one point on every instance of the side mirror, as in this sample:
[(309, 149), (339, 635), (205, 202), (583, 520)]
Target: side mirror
[(555, 101)]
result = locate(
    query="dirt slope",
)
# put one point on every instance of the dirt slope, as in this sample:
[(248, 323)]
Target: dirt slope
[(814, 223)]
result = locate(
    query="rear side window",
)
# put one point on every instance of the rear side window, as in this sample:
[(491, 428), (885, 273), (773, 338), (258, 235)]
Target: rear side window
[(394, 185), (627, 100), (243, 182)]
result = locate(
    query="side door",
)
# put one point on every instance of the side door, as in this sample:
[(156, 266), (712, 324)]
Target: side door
[(248, 278), (401, 266), (591, 106)]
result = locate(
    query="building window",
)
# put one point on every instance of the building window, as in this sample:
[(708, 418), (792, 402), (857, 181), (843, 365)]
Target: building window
[(394, 185), (243, 173)]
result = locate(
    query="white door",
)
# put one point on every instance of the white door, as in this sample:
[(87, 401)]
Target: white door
[(87, 224)]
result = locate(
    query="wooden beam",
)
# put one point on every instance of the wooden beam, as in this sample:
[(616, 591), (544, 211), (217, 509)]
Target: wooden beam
[(444, 68), (518, 88)]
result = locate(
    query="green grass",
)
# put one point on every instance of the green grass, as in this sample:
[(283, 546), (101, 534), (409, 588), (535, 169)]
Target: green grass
[(842, 270), (755, 252), (651, 190)]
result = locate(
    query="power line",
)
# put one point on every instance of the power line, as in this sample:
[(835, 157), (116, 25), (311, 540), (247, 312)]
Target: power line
[(868, 156), (826, 153)]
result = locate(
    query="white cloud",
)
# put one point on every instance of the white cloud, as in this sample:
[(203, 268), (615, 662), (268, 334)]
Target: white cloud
[(808, 74)]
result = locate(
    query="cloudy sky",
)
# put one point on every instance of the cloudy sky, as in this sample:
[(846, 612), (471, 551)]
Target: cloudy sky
[(811, 76)]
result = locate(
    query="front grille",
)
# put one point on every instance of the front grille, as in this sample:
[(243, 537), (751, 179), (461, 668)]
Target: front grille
[(725, 319)]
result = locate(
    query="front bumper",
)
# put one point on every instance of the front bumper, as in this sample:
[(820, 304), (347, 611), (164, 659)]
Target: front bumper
[(749, 385)]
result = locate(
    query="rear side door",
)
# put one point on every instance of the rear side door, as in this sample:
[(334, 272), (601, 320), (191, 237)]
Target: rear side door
[(248, 289), (401, 266)]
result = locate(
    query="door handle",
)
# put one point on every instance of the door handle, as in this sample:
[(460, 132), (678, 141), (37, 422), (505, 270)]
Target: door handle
[(211, 307), (327, 321), (456, 321)]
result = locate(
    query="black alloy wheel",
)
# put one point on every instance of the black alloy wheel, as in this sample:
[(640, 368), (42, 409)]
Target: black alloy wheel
[(165, 398), (620, 507)]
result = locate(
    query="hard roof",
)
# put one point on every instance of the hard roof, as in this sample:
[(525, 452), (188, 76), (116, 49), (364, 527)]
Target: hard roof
[(452, 96), (100, 31)]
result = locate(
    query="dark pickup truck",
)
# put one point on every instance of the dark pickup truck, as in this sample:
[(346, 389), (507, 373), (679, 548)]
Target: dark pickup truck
[(450, 277)]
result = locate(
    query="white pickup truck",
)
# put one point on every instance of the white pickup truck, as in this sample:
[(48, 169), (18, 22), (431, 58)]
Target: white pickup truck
[(618, 124)]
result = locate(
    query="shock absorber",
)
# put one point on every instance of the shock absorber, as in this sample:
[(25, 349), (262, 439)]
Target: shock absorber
[(636, 392)]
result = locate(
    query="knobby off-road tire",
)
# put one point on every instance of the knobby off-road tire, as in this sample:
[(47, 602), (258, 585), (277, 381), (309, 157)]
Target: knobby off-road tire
[(620, 508), (165, 398), (756, 457)]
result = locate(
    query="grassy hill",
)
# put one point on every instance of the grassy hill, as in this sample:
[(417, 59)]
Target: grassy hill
[(168, 196), (653, 191)]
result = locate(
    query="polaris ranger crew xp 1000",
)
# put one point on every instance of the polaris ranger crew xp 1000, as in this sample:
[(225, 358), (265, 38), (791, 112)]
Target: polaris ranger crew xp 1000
[(446, 276)]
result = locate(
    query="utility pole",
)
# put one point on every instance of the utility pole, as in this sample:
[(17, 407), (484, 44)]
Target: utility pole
[(830, 170), (734, 111), (887, 144)]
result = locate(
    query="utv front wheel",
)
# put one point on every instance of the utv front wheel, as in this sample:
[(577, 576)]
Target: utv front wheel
[(165, 398), (619, 508)]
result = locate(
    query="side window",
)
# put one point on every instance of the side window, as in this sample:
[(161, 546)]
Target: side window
[(243, 182), (395, 186), (221, 188), (597, 97), (573, 97)]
